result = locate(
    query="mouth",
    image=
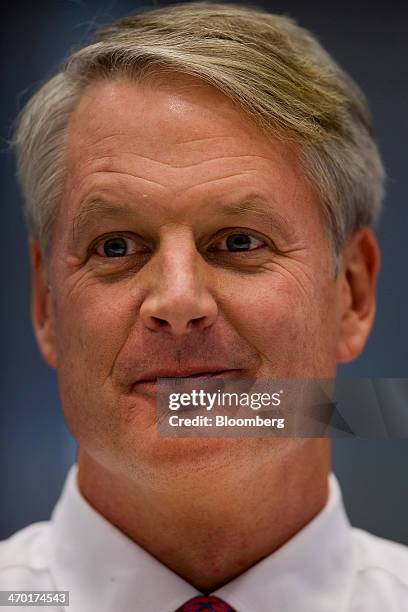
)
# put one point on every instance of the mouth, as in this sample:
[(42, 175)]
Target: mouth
[(150, 384)]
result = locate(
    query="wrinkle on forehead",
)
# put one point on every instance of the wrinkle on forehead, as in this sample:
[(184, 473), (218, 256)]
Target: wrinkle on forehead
[(179, 140), (120, 112)]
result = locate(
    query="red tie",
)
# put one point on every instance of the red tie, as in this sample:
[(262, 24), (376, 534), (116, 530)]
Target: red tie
[(207, 603)]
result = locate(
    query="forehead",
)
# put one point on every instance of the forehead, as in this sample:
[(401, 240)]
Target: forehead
[(176, 122), (149, 142)]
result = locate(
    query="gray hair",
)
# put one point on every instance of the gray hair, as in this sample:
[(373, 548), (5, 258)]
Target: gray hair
[(273, 69)]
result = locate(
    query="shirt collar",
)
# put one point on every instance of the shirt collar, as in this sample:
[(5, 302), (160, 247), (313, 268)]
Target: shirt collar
[(102, 568), (312, 571)]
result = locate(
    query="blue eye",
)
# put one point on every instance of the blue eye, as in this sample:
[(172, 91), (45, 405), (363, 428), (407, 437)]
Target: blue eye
[(116, 246), (240, 242)]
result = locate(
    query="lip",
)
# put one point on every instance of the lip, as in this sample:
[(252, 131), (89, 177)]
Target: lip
[(149, 382)]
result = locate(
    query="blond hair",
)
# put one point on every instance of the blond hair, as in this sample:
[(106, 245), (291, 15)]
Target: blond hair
[(273, 69)]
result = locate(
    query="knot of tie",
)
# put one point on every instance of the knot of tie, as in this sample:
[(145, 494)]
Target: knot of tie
[(205, 602)]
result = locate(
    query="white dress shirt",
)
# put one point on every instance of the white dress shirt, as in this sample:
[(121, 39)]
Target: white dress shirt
[(328, 566)]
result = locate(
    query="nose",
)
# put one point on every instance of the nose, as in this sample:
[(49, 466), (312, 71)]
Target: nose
[(178, 300)]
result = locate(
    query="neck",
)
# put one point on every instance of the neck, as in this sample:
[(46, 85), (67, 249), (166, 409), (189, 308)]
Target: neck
[(209, 526)]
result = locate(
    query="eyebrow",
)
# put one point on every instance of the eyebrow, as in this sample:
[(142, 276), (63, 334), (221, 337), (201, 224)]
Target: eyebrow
[(262, 207), (100, 209), (253, 203)]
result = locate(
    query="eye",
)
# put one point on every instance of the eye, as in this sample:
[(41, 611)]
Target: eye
[(238, 241), (116, 246)]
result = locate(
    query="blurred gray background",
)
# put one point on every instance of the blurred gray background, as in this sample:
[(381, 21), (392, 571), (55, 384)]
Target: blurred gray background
[(369, 40)]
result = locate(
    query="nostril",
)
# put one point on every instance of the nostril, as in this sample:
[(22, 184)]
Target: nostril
[(177, 325), (160, 322), (198, 322)]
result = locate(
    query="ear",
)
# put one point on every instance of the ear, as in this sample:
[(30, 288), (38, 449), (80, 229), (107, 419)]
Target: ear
[(42, 310), (357, 285)]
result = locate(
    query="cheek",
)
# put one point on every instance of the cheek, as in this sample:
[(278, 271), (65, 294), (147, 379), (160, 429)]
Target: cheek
[(291, 329), (93, 323)]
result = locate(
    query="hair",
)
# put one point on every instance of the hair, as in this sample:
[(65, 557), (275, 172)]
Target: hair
[(270, 67)]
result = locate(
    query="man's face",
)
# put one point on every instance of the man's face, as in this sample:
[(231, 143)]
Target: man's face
[(184, 239)]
